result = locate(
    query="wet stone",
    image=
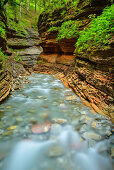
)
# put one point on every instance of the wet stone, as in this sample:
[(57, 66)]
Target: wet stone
[(111, 139), (41, 128), (7, 133), (19, 119), (31, 111), (1, 114), (45, 106), (1, 125), (1, 131), (70, 98), (12, 127), (59, 121), (23, 118), (78, 126), (44, 116), (112, 152), (91, 135), (8, 107), (33, 121), (55, 151), (84, 128)]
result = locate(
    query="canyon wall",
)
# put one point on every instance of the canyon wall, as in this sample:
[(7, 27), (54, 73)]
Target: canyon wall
[(5, 76), (88, 74), (25, 46)]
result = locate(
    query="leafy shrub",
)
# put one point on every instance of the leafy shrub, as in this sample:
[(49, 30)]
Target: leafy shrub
[(98, 34), (53, 29), (2, 30), (14, 22), (69, 29), (2, 56)]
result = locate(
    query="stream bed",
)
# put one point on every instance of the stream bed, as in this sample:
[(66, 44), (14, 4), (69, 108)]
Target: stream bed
[(45, 126)]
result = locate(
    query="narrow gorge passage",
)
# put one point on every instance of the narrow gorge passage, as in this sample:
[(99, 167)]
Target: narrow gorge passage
[(55, 130)]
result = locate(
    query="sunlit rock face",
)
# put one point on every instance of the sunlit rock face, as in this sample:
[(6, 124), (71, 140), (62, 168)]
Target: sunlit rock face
[(91, 73)]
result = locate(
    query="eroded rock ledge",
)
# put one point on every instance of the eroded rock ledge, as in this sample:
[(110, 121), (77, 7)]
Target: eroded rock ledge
[(5, 84), (25, 46), (89, 74), (96, 99), (13, 72)]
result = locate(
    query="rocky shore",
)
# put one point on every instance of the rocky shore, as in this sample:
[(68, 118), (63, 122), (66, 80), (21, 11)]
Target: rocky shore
[(25, 47)]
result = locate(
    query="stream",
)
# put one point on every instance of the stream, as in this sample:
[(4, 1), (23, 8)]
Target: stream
[(45, 126)]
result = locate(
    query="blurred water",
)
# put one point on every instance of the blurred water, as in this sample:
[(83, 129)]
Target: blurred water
[(74, 155), (65, 147)]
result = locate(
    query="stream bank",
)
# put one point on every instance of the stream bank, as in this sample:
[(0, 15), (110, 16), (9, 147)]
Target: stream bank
[(24, 48)]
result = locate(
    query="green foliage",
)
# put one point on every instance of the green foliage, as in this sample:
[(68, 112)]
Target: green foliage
[(15, 22), (98, 34), (2, 32), (51, 5), (6, 62), (2, 56), (69, 29), (53, 29), (20, 18)]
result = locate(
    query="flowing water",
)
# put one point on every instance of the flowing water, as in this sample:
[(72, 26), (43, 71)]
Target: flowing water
[(75, 139)]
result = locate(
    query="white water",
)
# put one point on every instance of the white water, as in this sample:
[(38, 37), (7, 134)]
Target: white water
[(62, 148), (31, 155)]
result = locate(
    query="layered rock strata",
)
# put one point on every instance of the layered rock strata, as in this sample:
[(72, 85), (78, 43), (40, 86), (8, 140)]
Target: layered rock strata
[(5, 76), (90, 74), (5, 84), (27, 47)]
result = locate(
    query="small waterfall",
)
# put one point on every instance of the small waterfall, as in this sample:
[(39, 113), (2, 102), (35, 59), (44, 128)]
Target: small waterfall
[(74, 155)]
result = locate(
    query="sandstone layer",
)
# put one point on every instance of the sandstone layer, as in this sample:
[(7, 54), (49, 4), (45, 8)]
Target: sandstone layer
[(89, 74), (25, 46)]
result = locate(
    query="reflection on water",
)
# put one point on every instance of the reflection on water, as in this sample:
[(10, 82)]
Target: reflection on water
[(77, 139)]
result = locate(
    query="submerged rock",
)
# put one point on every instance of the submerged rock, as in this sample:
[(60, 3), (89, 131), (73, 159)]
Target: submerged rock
[(1, 114), (91, 135), (70, 98), (12, 127), (55, 151), (41, 128), (44, 116), (112, 152), (59, 121)]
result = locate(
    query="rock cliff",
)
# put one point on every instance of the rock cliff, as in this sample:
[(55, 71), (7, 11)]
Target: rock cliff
[(5, 76), (25, 46), (89, 74)]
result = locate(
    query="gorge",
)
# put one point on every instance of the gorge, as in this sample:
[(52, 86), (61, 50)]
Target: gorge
[(56, 87)]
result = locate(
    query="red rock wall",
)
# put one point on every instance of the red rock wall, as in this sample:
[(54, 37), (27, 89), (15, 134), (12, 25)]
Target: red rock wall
[(90, 75)]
